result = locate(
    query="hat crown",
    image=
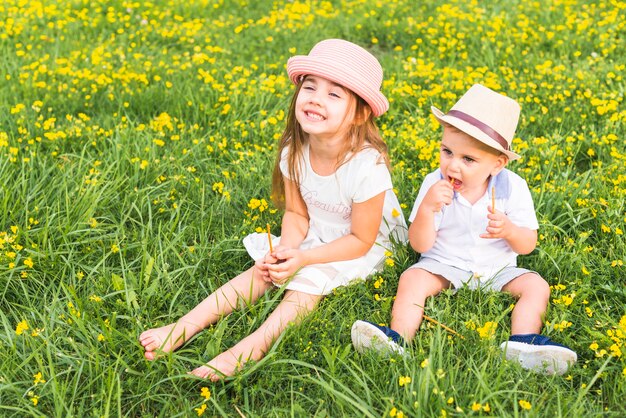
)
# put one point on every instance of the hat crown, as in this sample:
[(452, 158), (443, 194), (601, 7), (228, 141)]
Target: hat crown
[(499, 112), (350, 56), (346, 64)]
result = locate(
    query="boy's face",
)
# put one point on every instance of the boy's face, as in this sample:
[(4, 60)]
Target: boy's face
[(467, 162)]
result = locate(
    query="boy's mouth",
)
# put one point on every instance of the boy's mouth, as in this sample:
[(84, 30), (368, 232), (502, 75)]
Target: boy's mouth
[(456, 183)]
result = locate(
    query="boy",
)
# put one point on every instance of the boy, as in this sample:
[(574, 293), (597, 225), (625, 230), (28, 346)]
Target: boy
[(471, 219)]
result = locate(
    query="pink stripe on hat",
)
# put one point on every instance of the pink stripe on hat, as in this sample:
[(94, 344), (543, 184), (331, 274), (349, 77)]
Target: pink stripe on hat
[(346, 64)]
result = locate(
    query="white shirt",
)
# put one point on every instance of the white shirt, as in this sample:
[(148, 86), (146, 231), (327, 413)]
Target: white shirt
[(329, 199), (460, 224)]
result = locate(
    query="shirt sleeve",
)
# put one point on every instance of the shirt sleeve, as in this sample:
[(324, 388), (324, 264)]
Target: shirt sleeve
[(520, 207), (373, 178)]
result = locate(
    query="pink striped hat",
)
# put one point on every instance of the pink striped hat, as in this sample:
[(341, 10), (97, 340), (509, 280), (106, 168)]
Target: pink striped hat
[(346, 64)]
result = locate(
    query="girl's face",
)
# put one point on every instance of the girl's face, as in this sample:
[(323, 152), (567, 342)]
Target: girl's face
[(323, 108), (468, 163)]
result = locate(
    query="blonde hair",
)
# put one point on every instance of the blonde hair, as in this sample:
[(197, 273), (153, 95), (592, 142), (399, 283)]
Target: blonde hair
[(363, 133)]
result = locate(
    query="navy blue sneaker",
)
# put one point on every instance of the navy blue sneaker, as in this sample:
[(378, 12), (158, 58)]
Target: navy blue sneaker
[(366, 336), (539, 353)]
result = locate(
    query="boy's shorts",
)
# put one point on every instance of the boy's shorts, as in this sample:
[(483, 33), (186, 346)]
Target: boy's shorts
[(459, 278)]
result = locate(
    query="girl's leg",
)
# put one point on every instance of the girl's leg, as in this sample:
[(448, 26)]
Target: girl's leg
[(294, 306), (414, 287), (533, 294), (243, 288)]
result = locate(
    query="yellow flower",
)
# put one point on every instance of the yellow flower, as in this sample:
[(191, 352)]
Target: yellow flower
[(476, 406), (424, 363), (21, 327), (35, 400), (38, 379), (115, 249), (101, 337), (488, 330), (29, 263), (395, 213), (93, 223), (525, 404), (404, 380), (205, 393), (201, 410)]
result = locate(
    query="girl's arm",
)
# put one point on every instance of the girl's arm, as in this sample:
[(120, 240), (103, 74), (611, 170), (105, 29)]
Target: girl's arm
[(366, 219), (295, 224)]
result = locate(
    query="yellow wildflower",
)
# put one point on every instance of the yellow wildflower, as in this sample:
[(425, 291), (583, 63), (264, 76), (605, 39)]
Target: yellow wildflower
[(525, 404), (21, 327)]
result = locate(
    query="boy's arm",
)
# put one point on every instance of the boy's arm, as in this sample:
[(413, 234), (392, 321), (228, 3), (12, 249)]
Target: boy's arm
[(422, 233), (521, 240)]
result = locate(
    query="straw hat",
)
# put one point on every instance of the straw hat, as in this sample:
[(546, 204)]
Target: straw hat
[(485, 115), (346, 64)]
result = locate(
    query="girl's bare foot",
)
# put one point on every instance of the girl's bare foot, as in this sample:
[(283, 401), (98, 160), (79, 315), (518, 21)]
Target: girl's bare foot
[(166, 338), (223, 365)]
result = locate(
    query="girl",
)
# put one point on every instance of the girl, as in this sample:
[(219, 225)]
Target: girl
[(331, 176)]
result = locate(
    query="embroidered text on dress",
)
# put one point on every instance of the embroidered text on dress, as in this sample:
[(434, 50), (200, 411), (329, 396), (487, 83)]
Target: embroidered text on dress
[(310, 198)]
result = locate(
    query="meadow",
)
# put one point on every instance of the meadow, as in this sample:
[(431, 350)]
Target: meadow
[(136, 146)]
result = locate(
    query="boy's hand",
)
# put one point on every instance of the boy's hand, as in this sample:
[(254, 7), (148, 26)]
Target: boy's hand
[(499, 225), (439, 194)]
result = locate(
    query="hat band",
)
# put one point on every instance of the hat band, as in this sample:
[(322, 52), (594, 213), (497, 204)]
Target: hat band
[(486, 129)]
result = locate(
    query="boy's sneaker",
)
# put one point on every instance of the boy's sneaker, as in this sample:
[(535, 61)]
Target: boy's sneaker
[(539, 353), (366, 336)]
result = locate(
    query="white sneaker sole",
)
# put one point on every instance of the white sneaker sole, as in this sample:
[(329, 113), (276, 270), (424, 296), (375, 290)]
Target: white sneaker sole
[(550, 359), (366, 336)]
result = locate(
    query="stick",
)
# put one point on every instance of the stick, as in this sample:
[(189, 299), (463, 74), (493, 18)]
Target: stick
[(493, 199), (269, 238), (443, 326)]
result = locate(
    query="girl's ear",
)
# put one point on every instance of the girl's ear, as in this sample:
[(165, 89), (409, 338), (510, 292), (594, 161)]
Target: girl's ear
[(361, 115), (501, 162)]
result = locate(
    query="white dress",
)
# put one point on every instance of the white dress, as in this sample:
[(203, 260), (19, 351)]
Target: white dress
[(329, 202)]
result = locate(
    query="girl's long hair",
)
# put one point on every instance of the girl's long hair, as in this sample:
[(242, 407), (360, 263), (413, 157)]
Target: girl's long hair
[(362, 134)]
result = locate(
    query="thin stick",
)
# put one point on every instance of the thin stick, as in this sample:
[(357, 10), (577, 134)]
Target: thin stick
[(269, 238), (428, 318), (493, 199)]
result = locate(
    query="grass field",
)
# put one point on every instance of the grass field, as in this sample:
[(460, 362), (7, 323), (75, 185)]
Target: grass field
[(136, 144)]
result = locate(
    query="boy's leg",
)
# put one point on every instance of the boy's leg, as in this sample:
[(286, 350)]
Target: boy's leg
[(243, 288), (414, 287), (526, 346), (294, 307), (533, 294)]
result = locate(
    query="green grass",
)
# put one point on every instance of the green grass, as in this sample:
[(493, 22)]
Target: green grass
[(134, 138)]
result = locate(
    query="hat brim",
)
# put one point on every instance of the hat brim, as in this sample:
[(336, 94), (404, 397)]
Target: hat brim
[(302, 65), (472, 131)]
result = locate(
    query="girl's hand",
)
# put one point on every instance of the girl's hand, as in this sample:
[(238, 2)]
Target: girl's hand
[(260, 269), (288, 262), (439, 194), (261, 265), (499, 225)]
